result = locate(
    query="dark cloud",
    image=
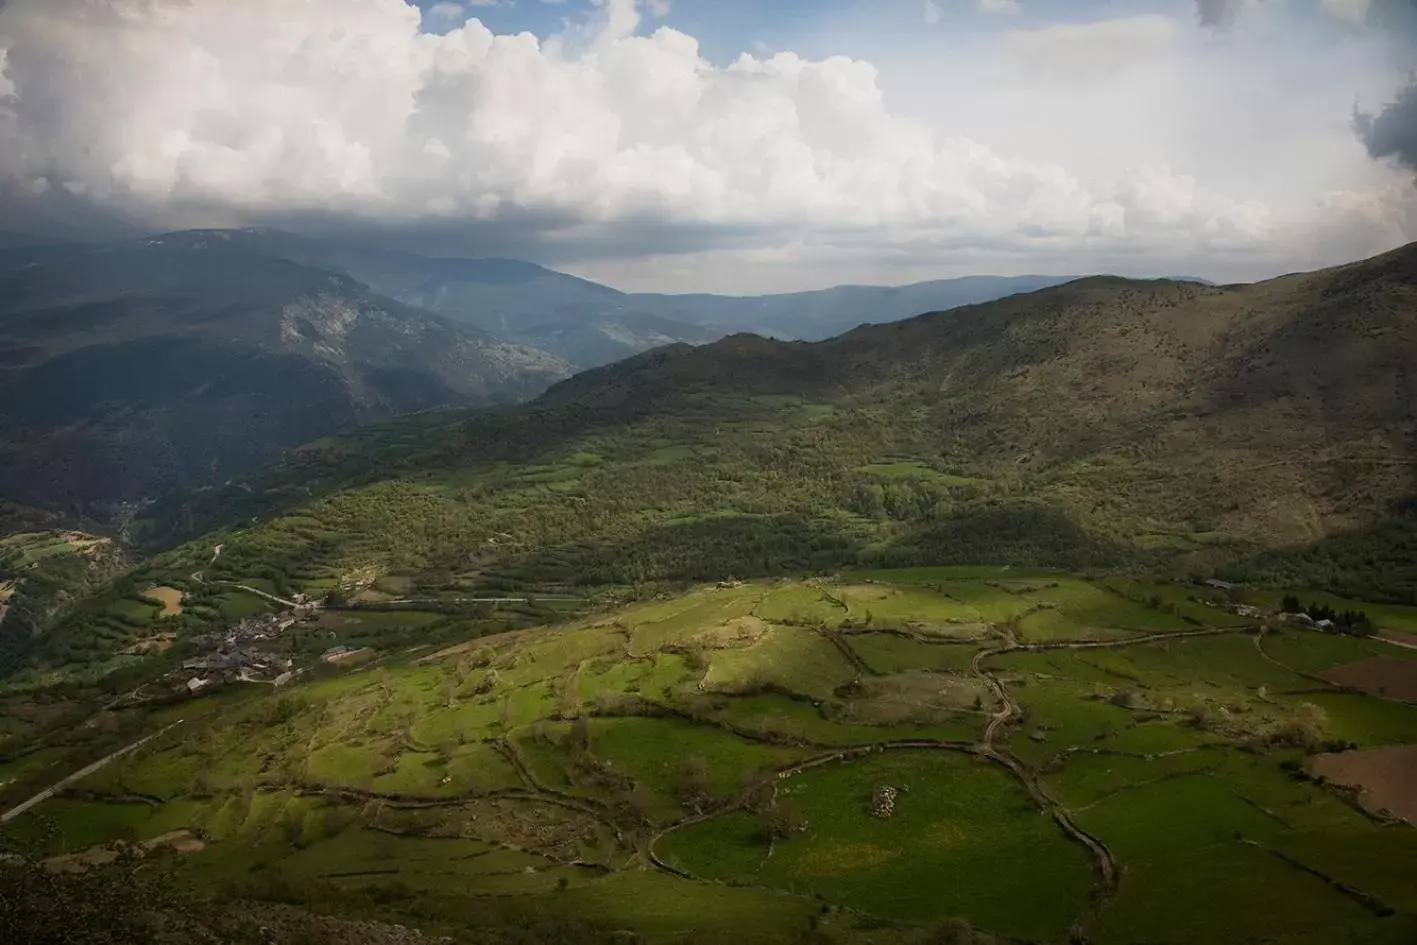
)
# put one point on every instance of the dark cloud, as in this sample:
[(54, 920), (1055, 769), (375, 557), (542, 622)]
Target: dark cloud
[(1391, 133), (1217, 14), (1396, 19), (57, 216)]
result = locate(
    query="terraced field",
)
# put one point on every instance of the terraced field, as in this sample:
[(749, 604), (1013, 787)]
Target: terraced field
[(1042, 757)]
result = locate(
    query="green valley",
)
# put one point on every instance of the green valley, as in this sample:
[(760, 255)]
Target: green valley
[(1074, 617), (874, 758), (684, 472)]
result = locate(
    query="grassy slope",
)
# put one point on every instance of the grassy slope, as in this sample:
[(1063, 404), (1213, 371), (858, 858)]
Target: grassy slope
[(44, 575)]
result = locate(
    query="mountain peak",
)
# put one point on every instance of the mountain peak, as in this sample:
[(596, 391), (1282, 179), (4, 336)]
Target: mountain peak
[(206, 357)]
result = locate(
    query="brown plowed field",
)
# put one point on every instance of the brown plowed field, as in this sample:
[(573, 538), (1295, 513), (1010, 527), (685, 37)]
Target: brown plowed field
[(1380, 676), (1386, 776)]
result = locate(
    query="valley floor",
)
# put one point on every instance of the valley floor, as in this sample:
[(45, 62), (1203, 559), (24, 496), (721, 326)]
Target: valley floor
[(881, 757)]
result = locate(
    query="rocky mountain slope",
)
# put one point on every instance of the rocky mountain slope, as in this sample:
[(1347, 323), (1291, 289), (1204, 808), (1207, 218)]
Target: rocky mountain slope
[(131, 370), (581, 321)]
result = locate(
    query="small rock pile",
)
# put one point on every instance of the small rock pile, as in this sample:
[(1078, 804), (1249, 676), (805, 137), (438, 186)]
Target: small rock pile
[(883, 802)]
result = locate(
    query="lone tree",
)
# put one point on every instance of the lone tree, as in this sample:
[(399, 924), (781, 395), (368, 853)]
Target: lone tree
[(580, 736), (782, 821), (694, 783)]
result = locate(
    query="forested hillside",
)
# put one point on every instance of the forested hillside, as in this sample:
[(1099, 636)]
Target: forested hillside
[(134, 370), (1103, 422)]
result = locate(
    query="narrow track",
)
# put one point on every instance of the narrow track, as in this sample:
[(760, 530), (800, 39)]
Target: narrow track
[(1105, 862), (82, 773)]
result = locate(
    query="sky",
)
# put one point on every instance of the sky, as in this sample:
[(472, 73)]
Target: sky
[(738, 146)]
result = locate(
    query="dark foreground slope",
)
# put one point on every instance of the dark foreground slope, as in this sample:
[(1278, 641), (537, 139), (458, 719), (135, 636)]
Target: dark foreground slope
[(130, 371), (1102, 421)]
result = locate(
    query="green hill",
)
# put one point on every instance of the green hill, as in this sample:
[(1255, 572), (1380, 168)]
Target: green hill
[(1102, 423)]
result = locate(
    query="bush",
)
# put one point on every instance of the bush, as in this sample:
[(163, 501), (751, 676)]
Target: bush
[(781, 821)]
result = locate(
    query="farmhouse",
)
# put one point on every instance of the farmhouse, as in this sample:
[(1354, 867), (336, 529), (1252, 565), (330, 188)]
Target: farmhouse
[(212, 661), (338, 654)]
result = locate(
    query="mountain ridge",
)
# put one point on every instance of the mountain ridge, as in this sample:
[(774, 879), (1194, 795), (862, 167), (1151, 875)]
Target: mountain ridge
[(158, 364), (1105, 422), (582, 321)]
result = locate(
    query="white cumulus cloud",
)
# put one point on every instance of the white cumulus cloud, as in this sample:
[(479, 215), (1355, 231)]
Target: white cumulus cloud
[(344, 108), (1007, 7), (448, 11), (1352, 11), (1091, 50)]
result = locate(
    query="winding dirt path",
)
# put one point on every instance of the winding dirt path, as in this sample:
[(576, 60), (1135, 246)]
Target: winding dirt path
[(1128, 641), (197, 576), (1009, 711), (1009, 708)]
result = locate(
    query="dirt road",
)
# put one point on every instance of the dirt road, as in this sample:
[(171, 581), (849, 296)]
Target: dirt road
[(82, 773), (198, 577)]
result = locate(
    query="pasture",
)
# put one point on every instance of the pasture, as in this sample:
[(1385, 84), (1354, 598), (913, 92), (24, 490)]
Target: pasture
[(744, 734)]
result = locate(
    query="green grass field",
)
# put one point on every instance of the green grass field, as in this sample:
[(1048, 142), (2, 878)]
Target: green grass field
[(887, 653), (964, 841), (537, 770), (798, 660)]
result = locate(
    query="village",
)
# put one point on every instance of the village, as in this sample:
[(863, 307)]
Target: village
[(248, 651), (240, 653)]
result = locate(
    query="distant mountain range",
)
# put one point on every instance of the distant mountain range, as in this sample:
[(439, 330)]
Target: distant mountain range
[(583, 322), (129, 370), (1107, 422), (589, 324)]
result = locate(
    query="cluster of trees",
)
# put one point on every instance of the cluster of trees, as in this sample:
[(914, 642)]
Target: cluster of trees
[(46, 589), (1352, 622), (1377, 564)]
